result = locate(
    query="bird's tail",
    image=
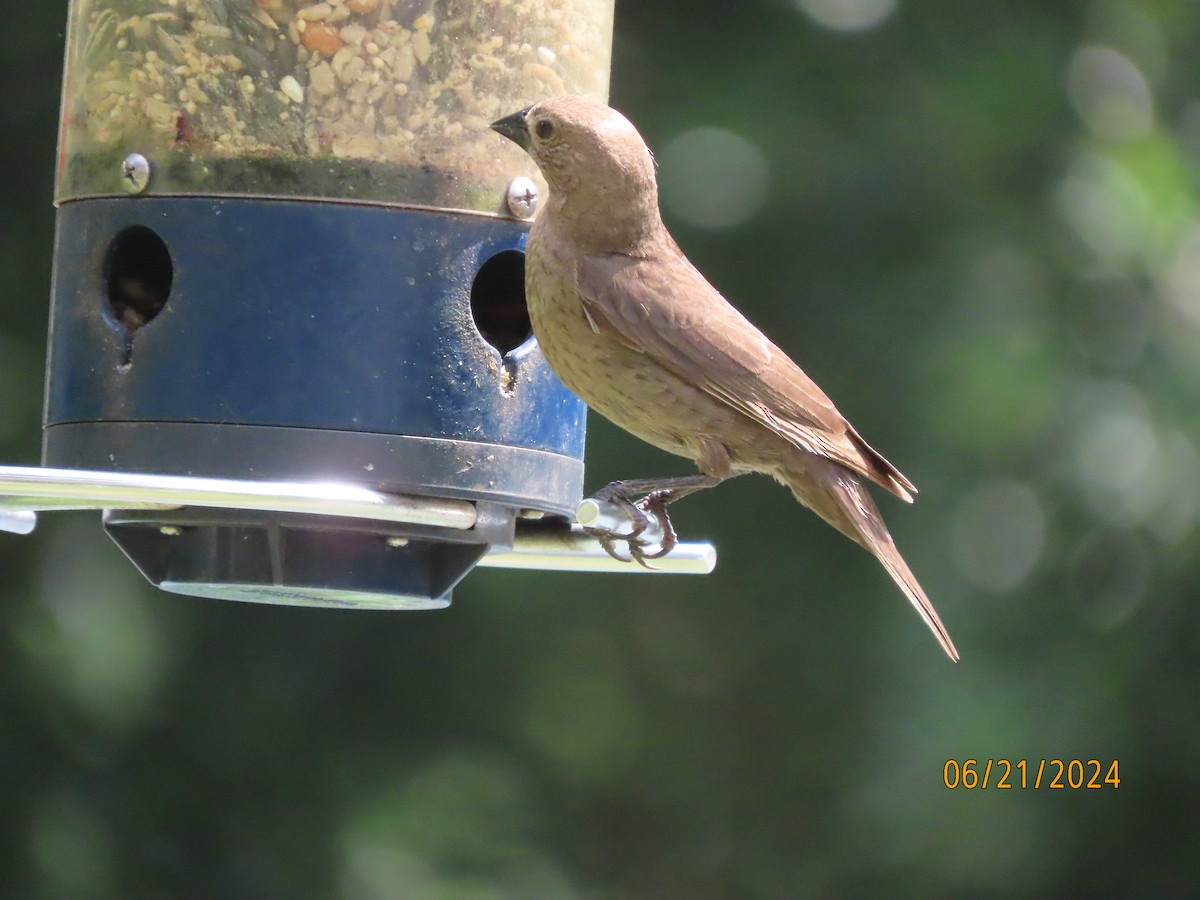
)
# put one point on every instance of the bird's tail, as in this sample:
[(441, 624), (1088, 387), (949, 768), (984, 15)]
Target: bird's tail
[(845, 503)]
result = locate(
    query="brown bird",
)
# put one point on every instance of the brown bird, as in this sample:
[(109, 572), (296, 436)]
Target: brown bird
[(632, 328)]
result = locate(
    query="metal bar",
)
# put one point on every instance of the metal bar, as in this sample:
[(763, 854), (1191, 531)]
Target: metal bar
[(617, 521), (18, 521), (560, 550), (23, 490), (35, 488)]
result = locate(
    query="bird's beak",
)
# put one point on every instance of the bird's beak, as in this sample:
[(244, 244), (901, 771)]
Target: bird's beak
[(514, 128)]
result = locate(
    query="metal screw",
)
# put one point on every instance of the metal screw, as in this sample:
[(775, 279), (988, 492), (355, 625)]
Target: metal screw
[(170, 530), (135, 173), (397, 542), (522, 197)]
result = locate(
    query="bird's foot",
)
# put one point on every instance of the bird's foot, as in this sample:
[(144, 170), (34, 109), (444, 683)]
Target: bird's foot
[(650, 534), (645, 530), (655, 504)]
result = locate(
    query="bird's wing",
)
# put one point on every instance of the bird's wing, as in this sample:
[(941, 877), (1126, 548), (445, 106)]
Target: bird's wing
[(664, 307)]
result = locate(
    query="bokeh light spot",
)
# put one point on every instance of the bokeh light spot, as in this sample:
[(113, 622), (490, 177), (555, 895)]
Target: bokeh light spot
[(713, 178), (1106, 206), (1115, 449), (1129, 469), (1180, 280), (1110, 93), (97, 637), (1115, 456), (999, 535), (848, 15), (1178, 508)]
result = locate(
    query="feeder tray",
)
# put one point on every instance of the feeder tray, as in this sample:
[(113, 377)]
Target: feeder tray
[(327, 544)]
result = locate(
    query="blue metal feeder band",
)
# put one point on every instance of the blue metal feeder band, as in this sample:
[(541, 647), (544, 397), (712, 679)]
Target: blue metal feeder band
[(304, 340)]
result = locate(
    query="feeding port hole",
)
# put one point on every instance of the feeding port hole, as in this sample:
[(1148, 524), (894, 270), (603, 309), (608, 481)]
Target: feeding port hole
[(498, 301), (138, 273)]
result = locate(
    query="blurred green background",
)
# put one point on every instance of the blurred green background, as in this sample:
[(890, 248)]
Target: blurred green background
[(975, 225)]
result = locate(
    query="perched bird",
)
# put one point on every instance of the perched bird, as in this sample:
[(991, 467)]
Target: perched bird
[(632, 328)]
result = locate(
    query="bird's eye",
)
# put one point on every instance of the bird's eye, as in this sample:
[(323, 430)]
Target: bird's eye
[(544, 128)]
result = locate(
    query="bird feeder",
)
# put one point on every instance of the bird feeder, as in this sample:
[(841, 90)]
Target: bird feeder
[(289, 353)]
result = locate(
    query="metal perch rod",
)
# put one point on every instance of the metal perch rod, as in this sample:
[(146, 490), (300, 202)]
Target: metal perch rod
[(573, 550), (23, 491), (46, 489)]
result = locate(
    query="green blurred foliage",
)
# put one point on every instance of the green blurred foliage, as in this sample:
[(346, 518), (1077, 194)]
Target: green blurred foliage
[(979, 232)]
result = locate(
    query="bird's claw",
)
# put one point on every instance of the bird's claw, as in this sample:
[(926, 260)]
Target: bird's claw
[(656, 505), (608, 539), (640, 512)]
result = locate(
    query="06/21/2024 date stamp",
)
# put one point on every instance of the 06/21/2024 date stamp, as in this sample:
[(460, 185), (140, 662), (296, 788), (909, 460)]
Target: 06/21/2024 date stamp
[(1031, 774)]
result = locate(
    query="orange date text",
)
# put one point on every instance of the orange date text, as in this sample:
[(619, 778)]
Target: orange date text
[(1031, 774)]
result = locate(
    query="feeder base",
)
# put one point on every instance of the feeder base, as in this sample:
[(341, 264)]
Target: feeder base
[(302, 560)]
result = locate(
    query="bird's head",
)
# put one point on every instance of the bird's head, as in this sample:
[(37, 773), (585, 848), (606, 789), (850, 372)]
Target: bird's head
[(596, 163)]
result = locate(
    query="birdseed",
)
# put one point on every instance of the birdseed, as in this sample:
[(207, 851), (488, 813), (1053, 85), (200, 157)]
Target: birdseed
[(373, 100)]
